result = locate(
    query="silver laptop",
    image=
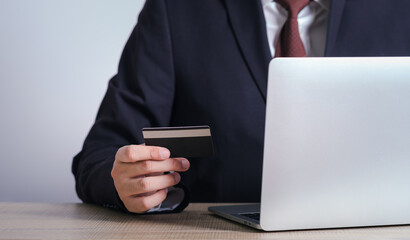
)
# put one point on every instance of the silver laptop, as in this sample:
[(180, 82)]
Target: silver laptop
[(337, 145)]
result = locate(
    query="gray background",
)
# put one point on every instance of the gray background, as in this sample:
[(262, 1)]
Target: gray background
[(56, 58)]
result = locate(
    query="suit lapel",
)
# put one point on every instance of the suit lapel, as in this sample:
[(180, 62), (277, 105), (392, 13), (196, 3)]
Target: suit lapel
[(249, 27), (248, 24), (335, 16)]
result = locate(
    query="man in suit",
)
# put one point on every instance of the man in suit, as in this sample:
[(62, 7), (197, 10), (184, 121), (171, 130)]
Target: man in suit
[(205, 63)]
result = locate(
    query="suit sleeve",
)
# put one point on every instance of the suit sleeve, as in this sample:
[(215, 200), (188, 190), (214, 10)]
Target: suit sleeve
[(140, 95)]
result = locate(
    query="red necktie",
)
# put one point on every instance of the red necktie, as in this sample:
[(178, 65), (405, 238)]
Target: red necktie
[(290, 44)]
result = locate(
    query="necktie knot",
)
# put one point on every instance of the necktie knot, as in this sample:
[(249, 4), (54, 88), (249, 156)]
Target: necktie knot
[(293, 6), (290, 44)]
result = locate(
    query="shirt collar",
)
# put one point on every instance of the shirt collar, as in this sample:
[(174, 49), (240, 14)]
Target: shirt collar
[(324, 3)]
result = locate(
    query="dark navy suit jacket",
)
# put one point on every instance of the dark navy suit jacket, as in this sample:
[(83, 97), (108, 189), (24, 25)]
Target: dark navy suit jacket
[(191, 62)]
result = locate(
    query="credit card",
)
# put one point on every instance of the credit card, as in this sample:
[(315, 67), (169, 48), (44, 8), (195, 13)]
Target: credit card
[(193, 141)]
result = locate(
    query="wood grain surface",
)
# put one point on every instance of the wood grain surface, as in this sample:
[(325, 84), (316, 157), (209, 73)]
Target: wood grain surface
[(83, 221)]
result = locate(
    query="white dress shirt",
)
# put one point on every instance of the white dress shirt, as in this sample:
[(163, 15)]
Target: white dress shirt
[(312, 21)]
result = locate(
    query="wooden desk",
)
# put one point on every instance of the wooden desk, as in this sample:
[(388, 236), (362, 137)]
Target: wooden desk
[(82, 221)]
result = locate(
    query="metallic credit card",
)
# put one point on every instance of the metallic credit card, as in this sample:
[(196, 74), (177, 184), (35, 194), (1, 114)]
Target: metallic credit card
[(193, 141)]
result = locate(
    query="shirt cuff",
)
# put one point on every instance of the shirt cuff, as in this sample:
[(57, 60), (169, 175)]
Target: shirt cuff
[(174, 198)]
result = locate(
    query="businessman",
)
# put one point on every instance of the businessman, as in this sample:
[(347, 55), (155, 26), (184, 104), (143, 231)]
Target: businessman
[(191, 62)]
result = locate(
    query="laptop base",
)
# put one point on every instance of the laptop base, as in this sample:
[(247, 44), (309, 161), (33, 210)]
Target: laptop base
[(238, 213)]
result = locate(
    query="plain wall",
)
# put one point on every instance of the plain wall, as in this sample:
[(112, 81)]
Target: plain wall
[(56, 57)]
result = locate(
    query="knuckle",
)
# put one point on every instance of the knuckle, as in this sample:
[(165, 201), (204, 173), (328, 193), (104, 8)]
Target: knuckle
[(144, 184), (147, 166), (144, 204), (137, 205), (114, 173), (128, 153), (117, 171), (154, 152), (134, 209)]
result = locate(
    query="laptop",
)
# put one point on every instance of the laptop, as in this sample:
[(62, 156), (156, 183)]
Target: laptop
[(337, 145)]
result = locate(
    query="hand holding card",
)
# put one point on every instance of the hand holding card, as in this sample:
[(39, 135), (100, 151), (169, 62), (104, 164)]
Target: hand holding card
[(194, 141), (143, 174)]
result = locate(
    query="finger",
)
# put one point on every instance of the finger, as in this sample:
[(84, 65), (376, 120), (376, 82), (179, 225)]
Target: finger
[(148, 167), (145, 203), (135, 153), (140, 185)]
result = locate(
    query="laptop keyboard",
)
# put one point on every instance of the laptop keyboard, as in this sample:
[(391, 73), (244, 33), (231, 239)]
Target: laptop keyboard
[(254, 216)]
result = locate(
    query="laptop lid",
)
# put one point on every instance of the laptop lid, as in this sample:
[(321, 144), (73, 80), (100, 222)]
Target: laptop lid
[(337, 143)]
